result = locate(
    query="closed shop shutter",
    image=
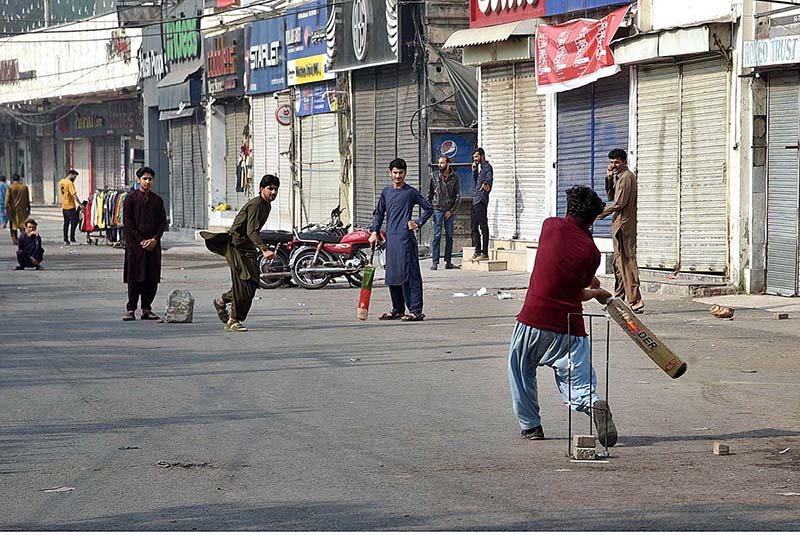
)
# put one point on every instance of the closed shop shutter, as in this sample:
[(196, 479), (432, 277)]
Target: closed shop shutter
[(497, 91), (530, 120), (236, 121), (270, 156), (592, 121), (658, 126), (385, 101), (199, 181), (611, 126), (106, 162), (783, 135), (176, 170), (704, 191), (364, 144), (81, 155), (319, 169)]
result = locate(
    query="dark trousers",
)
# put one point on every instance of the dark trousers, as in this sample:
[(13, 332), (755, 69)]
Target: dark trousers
[(480, 222), (409, 294), (70, 223), (25, 261), (241, 294), (145, 290), (438, 222)]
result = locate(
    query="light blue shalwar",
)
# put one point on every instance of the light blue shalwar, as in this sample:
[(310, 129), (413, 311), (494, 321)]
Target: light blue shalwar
[(531, 348)]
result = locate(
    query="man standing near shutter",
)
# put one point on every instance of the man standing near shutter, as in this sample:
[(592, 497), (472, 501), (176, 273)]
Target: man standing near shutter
[(144, 220), (622, 191), (483, 174), (444, 194), (17, 205), (69, 205)]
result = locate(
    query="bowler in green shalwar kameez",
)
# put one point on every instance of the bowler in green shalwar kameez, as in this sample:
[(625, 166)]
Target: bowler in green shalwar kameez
[(240, 246)]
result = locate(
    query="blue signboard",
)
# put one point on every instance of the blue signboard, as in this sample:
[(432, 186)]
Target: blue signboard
[(316, 98), (557, 7), (265, 61), (306, 46)]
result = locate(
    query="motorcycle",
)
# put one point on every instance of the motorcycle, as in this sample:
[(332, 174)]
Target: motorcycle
[(277, 271), (314, 263)]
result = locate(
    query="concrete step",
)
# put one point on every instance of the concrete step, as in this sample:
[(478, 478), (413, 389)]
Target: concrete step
[(484, 265), (516, 260), (678, 287)]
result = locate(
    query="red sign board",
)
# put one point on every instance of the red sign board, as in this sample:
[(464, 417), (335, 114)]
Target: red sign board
[(576, 53), (484, 13)]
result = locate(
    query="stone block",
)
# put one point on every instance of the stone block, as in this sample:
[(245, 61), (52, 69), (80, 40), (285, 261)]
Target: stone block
[(781, 316), (180, 307), (584, 454), (584, 441), (721, 449)]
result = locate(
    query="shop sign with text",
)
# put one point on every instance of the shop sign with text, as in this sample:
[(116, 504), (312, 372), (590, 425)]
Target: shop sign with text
[(225, 64), (265, 64), (90, 120), (306, 44), (316, 98), (484, 13), (182, 40)]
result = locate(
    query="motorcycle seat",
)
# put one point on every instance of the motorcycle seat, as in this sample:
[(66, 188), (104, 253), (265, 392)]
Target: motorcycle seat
[(276, 236), (320, 236)]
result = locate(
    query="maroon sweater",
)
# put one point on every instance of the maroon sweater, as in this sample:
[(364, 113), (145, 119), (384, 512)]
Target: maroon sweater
[(566, 261)]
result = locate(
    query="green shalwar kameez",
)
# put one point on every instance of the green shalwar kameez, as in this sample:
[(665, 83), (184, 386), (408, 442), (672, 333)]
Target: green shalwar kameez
[(240, 246)]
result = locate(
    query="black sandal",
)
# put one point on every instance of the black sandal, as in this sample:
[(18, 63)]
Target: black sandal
[(413, 317), (148, 315), (391, 316)]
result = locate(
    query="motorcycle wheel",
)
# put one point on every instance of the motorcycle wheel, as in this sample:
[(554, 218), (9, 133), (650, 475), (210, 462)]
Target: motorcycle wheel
[(279, 264), (356, 278), (308, 280)]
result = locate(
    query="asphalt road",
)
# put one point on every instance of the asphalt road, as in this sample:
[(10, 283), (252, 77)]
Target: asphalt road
[(315, 421)]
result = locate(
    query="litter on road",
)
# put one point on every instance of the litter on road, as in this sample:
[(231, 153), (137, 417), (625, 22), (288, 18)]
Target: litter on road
[(785, 451), (502, 296), (59, 489)]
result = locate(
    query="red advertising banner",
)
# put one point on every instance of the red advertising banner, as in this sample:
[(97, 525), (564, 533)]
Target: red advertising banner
[(484, 13), (576, 53)]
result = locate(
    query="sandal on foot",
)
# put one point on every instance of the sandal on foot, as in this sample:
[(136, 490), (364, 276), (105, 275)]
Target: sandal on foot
[(148, 315), (391, 316), (235, 326), (222, 311), (413, 317), (130, 316)]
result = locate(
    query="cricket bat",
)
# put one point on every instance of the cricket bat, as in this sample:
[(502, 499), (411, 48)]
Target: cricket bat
[(647, 341), (366, 288)]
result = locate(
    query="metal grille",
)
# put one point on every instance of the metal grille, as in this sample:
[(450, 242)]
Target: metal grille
[(319, 171), (364, 147)]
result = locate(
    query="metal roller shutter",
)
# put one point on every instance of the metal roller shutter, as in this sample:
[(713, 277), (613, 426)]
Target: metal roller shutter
[(199, 181), (319, 149), (610, 125), (386, 108), (704, 191), (574, 142), (497, 91), (658, 132), (530, 120), (236, 121), (408, 146), (783, 136), (364, 144), (270, 156), (176, 171), (189, 193)]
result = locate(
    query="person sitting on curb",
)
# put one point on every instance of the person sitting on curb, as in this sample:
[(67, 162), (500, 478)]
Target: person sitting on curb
[(29, 247)]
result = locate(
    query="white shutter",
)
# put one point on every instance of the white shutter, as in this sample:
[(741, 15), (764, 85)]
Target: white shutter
[(658, 110), (497, 121), (236, 118), (530, 120), (320, 165), (704, 192), (782, 187), (81, 158), (267, 158)]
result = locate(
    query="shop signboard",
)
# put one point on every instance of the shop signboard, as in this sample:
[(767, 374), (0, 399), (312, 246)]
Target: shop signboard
[(458, 146), (312, 99), (559, 7), (484, 13), (225, 64), (365, 33), (90, 120), (306, 45), (265, 64)]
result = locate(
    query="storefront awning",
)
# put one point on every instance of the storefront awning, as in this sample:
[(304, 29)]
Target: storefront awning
[(181, 88), (168, 115), (492, 34)]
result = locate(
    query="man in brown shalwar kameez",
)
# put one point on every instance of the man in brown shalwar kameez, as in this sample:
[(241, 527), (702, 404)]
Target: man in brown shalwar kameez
[(622, 191), (17, 206), (144, 222), (241, 246)]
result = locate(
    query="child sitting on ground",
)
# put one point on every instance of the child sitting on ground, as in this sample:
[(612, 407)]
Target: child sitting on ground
[(30, 252)]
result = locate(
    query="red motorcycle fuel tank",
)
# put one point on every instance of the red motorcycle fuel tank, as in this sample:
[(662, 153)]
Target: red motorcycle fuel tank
[(349, 242)]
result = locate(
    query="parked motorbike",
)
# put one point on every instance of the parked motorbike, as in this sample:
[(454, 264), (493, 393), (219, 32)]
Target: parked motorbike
[(315, 263), (278, 271)]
